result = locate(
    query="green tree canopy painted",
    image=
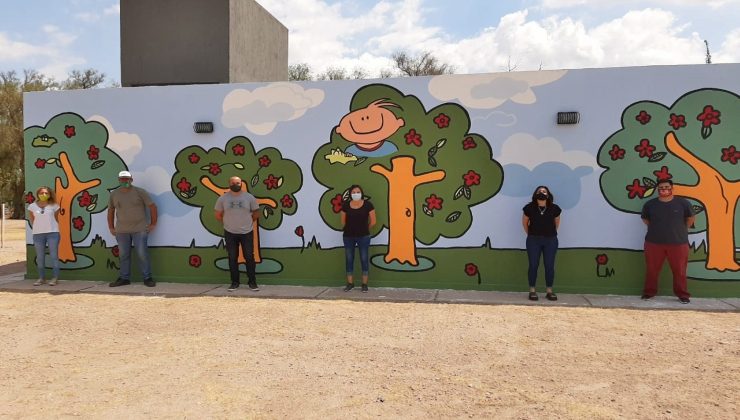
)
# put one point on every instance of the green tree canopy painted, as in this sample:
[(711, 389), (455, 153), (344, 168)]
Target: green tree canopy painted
[(70, 156), (202, 176), (439, 171), (694, 143)]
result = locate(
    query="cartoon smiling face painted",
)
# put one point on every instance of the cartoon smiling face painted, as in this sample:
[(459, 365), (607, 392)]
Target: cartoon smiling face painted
[(369, 129)]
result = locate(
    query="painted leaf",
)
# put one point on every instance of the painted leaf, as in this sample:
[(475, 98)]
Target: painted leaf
[(453, 217), (432, 161), (255, 180), (467, 192), (279, 182), (657, 157), (432, 151), (697, 209), (440, 143), (648, 182), (97, 164), (91, 207), (649, 192), (360, 160), (238, 165), (459, 192), (426, 210), (43, 141)]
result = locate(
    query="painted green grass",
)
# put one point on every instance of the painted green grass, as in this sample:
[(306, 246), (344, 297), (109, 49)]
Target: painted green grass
[(505, 270)]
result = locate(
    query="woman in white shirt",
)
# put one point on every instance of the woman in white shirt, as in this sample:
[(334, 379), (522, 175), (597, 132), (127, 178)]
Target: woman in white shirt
[(44, 217)]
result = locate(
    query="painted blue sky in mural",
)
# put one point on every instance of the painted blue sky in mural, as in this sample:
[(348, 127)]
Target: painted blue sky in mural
[(476, 36)]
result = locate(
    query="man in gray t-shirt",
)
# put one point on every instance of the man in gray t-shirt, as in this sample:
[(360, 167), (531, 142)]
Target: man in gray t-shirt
[(238, 211), (668, 219), (127, 220)]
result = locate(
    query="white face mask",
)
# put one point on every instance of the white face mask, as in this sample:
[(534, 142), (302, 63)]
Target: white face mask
[(356, 196)]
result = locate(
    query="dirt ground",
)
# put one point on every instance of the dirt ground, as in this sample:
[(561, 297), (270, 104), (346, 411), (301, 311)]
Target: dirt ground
[(106, 356)]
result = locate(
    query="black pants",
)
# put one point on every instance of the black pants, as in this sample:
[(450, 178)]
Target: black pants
[(246, 240)]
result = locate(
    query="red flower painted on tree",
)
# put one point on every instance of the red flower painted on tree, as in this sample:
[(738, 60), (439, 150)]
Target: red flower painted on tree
[(442, 121), (214, 168), (115, 251), (40, 163), (663, 173), (337, 203), (412, 137), (264, 161), (194, 158), (238, 149), (78, 223), (636, 190), (286, 201), (92, 152), (85, 199), (434, 202), (183, 185), (645, 148), (469, 143), (730, 154), (471, 269), (643, 117), (677, 121), (616, 153), (299, 231), (195, 261), (471, 178), (29, 198), (602, 259), (271, 182), (709, 116), (69, 131)]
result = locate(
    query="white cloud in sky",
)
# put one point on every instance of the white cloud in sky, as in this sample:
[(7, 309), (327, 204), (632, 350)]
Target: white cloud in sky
[(127, 145), (529, 151), (262, 109), (112, 10), (53, 52), (155, 179), (714, 4), (87, 17)]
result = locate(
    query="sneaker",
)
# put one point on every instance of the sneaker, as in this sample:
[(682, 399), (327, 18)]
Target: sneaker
[(53, 282), (684, 300), (349, 287), (149, 282), (253, 286), (39, 282), (119, 282), (646, 297), (233, 287), (364, 288)]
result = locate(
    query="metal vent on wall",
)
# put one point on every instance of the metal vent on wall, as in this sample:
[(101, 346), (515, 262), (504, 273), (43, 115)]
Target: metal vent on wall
[(203, 127), (569, 117)]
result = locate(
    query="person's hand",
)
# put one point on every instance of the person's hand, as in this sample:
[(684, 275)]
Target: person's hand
[(112, 231), (150, 227)]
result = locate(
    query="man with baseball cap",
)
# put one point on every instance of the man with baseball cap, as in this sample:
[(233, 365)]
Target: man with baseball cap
[(127, 220)]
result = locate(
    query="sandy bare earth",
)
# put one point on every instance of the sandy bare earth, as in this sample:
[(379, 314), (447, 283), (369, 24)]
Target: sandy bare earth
[(13, 242), (106, 356)]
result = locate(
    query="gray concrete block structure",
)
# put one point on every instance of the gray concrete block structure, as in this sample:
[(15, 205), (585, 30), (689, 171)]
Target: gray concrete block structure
[(169, 42)]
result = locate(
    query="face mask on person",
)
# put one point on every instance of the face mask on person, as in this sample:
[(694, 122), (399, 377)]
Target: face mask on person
[(356, 196), (235, 187), (43, 197), (541, 196), (124, 184)]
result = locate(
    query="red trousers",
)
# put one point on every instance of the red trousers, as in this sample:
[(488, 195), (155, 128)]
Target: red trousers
[(678, 259)]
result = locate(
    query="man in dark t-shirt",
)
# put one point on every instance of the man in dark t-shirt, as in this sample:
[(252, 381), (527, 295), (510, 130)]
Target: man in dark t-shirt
[(668, 219)]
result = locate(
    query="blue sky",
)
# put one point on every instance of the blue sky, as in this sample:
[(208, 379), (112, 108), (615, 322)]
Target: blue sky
[(475, 36)]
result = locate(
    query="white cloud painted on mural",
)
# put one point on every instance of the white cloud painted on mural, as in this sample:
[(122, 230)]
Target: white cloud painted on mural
[(262, 109), (529, 151), (499, 118), (491, 90), (154, 179), (127, 145)]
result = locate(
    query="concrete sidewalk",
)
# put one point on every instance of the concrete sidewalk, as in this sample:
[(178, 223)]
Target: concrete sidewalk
[(16, 283)]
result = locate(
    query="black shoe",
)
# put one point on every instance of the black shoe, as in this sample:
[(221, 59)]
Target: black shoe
[(533, 296), (684, 300), (253, 286), (119, 282), (364, 288), (551, 296), (646, 297), (149, 282), (233, 287), (349, 287)]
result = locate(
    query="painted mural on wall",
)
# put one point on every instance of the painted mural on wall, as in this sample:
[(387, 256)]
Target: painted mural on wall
[(448, 162)]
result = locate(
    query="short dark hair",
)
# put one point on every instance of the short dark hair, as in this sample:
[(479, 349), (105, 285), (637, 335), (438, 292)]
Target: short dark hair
[(664, 181)]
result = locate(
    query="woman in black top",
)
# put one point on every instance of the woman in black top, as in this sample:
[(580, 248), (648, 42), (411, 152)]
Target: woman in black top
[(540, 221), (358, 216)]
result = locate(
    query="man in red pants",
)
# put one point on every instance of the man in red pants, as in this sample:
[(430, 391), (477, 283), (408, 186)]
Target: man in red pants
[(668, 219)]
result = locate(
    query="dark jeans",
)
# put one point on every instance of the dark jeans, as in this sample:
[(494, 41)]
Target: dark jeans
[(362, 242), (547, 246), (233, 240)]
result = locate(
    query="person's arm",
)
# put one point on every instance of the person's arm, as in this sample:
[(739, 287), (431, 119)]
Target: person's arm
[(219, 215), (557, 222), (372, 219), (690, 221), (256, 215), (56, 213), (344, 217), (153, 217), (31, 217), (111, 219), (525, 223)]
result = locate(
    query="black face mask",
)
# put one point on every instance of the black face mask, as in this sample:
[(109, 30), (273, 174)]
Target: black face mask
[(235, 187), (541, 196)]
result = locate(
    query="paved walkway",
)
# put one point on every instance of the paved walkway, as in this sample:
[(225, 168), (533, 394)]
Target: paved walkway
[(16, 283)]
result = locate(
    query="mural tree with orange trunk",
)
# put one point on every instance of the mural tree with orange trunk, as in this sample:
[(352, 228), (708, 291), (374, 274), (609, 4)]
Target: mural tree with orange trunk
[(70, 155), (422, 169), (202, 176), (695, 143)]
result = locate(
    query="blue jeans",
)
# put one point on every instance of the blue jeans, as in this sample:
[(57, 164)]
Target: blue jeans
[(363, 243), (124, 253), (246, 240), (40, 240), (547, 246)]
